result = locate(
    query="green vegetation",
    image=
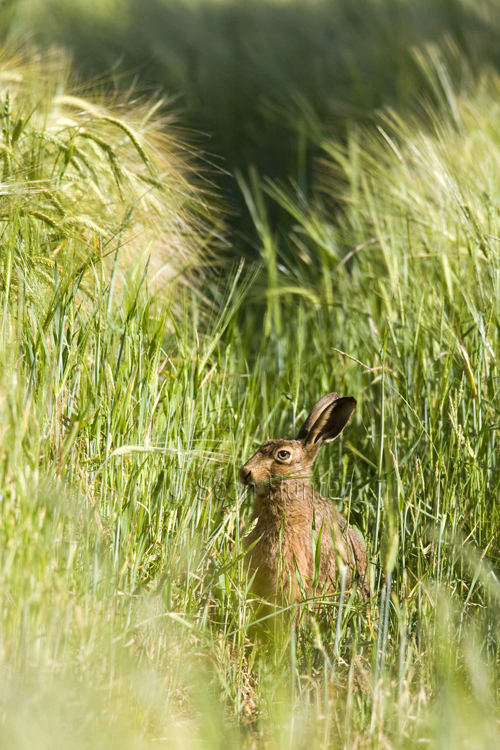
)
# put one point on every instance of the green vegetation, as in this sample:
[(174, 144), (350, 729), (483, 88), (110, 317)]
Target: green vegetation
[(126, 410), (254, 75), (79, 180)]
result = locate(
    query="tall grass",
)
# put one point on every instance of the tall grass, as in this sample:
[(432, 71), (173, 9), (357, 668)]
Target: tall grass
[(396, 273), (126, 617)]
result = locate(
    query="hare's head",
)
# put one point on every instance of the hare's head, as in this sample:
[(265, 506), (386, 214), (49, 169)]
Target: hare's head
[(294, 459)]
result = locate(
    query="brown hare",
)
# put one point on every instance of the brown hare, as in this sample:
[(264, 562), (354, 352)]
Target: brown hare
[(287, 509)]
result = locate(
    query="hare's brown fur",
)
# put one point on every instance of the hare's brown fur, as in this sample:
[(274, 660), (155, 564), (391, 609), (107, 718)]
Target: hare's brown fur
[(287, 510)]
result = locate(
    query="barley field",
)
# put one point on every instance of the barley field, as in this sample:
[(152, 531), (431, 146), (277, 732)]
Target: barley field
[(149, 343)]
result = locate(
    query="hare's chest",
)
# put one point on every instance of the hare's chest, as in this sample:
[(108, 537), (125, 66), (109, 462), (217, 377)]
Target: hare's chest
[(289, 544)]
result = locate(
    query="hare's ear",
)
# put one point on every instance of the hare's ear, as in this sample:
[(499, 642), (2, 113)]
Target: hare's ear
[(327, 419)]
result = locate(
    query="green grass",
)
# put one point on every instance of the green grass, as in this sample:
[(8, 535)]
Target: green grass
[(125, 615)]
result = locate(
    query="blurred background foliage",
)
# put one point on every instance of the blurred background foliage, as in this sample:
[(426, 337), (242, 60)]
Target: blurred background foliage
[(261, 80)]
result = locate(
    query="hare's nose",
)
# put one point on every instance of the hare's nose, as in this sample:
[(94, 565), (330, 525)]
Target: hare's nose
[(245, 475)]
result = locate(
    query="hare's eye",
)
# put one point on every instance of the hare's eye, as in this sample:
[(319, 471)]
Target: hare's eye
[(283, 455)]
